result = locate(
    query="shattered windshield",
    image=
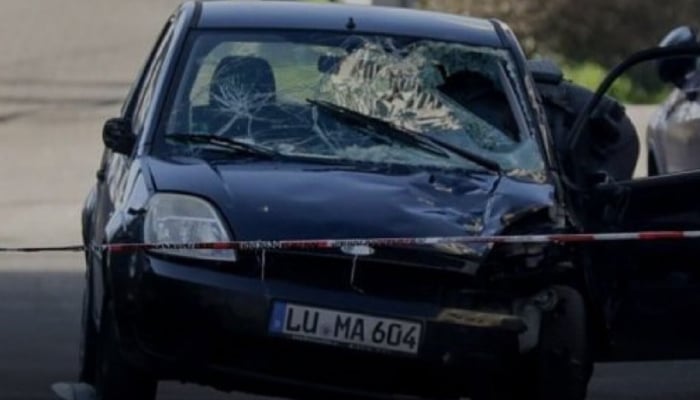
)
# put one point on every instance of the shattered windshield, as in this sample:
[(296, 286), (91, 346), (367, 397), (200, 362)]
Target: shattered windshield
[(353, 98)]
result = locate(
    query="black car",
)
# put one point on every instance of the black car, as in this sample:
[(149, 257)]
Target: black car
[(261, 122)]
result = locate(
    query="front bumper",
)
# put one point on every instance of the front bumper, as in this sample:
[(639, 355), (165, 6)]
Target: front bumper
[(211, 327)]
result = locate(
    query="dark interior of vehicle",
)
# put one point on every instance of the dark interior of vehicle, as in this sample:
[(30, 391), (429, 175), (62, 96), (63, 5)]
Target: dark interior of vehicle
[(479, 94), (243, 101)]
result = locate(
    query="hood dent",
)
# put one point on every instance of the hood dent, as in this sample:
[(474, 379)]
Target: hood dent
[(265, 202)]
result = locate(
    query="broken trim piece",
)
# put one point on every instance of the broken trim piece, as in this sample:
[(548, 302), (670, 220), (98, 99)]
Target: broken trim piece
[(482, 319)]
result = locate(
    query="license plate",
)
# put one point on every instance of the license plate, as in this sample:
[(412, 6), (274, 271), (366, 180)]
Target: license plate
[(344, 328)]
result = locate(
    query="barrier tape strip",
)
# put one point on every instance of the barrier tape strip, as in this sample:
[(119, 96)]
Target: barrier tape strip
[(375, 242)]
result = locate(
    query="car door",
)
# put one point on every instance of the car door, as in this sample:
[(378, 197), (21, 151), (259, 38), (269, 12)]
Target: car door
[(647, 290), (653, 286), (113, 172)]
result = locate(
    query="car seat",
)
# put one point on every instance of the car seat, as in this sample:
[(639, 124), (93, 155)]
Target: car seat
[(241, 94)]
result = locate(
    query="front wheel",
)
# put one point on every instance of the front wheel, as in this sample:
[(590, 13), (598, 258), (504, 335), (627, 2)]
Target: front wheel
[(115, 379), (561, 365), (88, 341), (563, 359)]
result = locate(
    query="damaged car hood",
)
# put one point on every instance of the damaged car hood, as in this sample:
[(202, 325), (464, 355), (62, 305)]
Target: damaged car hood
[(290, 201)]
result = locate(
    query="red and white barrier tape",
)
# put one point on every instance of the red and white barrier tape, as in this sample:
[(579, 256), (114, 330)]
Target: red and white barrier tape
[(375, 242)]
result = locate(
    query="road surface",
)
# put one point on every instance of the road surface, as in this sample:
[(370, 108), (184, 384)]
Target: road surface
[(64, 68)]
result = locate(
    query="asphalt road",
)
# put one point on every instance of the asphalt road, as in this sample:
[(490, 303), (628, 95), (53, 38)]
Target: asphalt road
[(64, 68)]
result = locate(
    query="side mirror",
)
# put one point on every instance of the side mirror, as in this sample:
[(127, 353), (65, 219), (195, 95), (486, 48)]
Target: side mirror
[(117, 136), (674, 70)]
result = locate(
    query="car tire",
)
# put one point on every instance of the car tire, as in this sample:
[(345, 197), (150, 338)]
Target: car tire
[(88, 340), (115, 379), (561, 366)]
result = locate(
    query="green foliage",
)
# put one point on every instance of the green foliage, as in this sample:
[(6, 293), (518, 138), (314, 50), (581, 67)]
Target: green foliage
[(592, 35), (590, 75), (602, 30)]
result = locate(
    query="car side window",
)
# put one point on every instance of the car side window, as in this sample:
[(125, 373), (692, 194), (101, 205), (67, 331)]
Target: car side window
[(135, 106), (142, 99), (130, 100)]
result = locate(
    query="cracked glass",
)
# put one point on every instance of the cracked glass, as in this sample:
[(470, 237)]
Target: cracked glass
[(354, 99)]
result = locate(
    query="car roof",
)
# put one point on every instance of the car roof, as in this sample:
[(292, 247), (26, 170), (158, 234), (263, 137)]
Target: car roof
[(335, 17)]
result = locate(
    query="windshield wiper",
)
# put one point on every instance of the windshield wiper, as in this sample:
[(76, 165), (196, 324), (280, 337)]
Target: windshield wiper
[(388, 129), (232, 145), (471, 156), (425, 142)]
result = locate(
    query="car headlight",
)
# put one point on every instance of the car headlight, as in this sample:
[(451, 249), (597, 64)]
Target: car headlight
[(180, 219)]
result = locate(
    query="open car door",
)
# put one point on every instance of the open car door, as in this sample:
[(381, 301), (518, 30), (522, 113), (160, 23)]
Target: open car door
[(653, 286), (649, 290)]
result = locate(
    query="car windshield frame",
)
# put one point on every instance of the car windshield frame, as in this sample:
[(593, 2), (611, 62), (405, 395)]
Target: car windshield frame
[(515, 89)]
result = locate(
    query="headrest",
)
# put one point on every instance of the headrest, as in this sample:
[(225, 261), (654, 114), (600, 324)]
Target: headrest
[(242, 78)]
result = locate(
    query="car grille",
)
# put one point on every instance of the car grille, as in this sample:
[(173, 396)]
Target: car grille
[(318, 270), (378, 275)]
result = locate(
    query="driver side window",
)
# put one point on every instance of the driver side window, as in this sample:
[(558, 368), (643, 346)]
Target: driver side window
[(133, 109), (145, 96)]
